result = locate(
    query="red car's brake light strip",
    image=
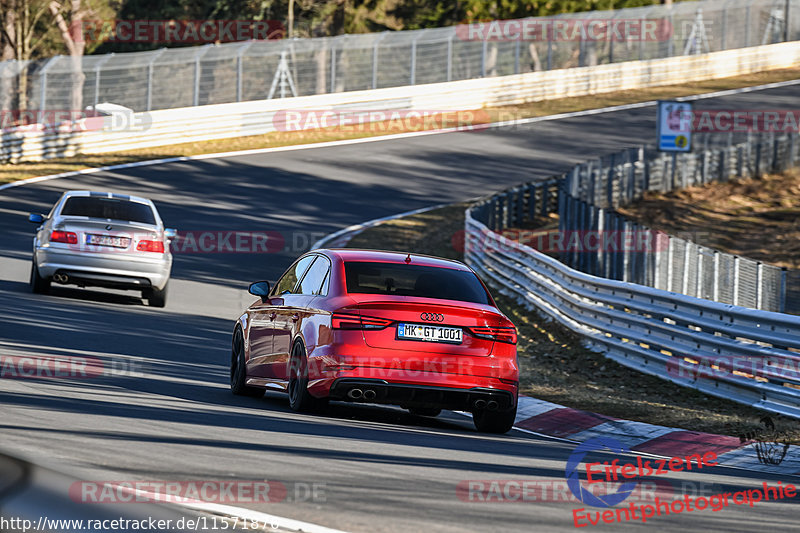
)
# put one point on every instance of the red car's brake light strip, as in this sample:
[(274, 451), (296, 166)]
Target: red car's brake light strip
[(344, 321), (499, 334)]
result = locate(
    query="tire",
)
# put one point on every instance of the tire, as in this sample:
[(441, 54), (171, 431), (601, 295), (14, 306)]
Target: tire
[(156, 297), (39, 285), (239, 370), (425, 411), (300, 400), (494, 421)]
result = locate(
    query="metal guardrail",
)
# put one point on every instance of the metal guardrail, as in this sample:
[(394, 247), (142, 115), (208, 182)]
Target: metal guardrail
[(745, 355), (594, 234), (244, 71)]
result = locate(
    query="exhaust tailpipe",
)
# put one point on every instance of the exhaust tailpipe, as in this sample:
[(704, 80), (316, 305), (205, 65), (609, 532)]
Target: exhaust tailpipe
[(492, 405), (60, 278), (355, 394), (480, 404), (370, 394)]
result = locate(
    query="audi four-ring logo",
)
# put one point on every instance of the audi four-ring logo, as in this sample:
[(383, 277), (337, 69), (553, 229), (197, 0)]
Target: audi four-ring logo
[(432, 317)]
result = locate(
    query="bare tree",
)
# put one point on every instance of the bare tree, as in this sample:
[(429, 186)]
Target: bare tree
[(19, 21), (72, 35)]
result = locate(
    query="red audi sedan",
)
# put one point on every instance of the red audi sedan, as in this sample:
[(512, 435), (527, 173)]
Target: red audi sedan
[(379, 327)]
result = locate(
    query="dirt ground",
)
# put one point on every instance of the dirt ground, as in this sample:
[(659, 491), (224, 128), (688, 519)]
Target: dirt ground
[(554, 364), (756, 218)]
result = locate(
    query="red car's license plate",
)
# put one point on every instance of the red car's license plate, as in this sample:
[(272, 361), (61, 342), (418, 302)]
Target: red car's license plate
[(422, 332)]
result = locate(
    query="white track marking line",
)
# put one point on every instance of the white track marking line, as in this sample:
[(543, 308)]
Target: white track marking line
[(263, 520), (395, 136)]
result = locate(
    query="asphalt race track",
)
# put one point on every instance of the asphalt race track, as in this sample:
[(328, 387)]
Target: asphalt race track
[(164, 412)]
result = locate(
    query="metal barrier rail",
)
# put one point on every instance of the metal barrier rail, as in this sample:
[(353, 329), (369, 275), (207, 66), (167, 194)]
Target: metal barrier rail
[(745, 355)]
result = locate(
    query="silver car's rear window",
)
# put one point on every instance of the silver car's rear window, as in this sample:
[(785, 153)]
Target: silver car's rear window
[(113, 208)]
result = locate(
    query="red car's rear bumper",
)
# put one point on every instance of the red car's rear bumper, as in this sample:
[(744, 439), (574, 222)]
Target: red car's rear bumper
[(417, 379)]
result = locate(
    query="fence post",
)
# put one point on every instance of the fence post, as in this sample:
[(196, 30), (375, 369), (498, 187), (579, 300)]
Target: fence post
[(735, 280), (670, 250), (43, 86), (240, 70), (549, 51), (97, 81), (698, 282), (782, 295), (685, 277), (150, 78), (759, 284), (483, 58), (200, 53), (715, 289), (333, 66), (375, 60), (601, 226), (516, 56), (787, 20), (450, 57), (414, 59)]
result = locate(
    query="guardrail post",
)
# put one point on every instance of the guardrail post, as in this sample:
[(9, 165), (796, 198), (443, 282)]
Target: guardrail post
[(759, 285), (735, 280)]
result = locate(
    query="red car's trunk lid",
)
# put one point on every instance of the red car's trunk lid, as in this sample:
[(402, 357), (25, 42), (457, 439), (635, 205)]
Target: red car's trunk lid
[(431, 313)]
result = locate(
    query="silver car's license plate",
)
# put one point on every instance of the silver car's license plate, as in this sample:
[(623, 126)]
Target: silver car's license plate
[(423, 332), (108, 240)]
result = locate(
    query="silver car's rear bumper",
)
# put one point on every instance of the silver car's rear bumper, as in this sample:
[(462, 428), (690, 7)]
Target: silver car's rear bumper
[(122, 270)]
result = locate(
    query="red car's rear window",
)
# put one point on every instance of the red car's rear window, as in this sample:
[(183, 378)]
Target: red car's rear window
[(400, 279)]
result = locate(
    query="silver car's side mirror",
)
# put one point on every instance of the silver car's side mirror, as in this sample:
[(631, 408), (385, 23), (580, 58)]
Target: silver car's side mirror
[(170, 233), (260, 288), (36, 218)]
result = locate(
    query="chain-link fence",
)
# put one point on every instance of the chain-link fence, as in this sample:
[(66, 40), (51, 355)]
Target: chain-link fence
[(628, 251), (216, 74)]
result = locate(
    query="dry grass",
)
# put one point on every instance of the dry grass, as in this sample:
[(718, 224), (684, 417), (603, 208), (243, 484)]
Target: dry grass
[(12, 172), (554, 364)]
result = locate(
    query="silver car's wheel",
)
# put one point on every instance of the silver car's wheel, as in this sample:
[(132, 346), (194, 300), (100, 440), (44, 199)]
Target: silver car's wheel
[(156, 297), (39, 285)]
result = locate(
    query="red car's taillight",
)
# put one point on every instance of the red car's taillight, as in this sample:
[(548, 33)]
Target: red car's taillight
[(150, 246), (345, 321), (498, 334), (64, 236)]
